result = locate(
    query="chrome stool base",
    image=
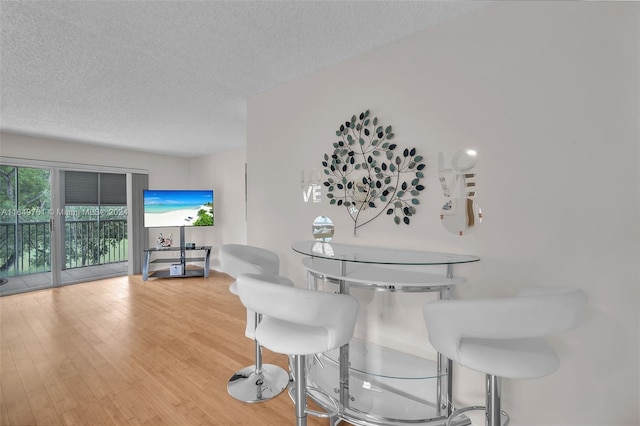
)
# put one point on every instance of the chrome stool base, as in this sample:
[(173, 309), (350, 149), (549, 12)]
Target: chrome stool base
[(249, 385)]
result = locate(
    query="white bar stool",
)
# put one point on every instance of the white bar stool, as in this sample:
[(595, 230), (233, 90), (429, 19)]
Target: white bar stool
[(258, 382), (298, 322), (504, 337)]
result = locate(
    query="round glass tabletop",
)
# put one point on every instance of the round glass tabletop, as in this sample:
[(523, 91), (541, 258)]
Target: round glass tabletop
[(378, 255)]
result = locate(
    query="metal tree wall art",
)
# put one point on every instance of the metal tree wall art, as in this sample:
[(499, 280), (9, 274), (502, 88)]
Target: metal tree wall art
[(369, 175)]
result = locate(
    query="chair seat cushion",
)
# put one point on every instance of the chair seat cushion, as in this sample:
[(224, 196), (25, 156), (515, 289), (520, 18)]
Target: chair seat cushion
[(509, 358), (293, 339)]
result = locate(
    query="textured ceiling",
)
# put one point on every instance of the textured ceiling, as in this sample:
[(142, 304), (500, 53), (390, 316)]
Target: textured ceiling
[(173, 77)]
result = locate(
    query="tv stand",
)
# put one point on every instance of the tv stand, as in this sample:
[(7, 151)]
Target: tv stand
[(174, 261)]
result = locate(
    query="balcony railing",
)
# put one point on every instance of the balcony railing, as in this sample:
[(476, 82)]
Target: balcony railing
[(25, 248)]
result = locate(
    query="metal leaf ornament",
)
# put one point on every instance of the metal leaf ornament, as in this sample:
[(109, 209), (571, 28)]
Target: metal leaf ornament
[(369, 175)]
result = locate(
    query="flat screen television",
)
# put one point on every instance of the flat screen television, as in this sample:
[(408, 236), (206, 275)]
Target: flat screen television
[(169, 208)]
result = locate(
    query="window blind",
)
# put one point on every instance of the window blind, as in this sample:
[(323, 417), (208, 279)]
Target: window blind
[(92, 189), (113, 189)]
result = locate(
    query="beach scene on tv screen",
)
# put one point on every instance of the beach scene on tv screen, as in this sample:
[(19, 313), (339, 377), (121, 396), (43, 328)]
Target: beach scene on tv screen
[(166, 208)]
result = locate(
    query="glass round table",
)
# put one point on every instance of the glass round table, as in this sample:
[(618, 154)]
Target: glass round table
[(374, 384)]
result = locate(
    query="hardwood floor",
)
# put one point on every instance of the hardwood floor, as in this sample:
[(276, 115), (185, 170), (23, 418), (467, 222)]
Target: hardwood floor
[(128, 352)]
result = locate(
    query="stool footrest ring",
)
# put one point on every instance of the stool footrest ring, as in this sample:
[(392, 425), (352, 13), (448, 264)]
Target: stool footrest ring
[(321, 398), (504, 417)]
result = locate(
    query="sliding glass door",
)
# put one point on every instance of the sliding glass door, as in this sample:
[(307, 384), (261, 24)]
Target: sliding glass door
[(94, 225), (25, 229), (61, 227)]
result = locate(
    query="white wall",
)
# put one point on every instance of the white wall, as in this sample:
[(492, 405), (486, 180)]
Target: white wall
[(163, 170), (225, 173), (548, 94)]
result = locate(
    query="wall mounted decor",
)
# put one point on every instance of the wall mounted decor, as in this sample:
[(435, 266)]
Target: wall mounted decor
[(311, 186), (369, 175), (460, 214)]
